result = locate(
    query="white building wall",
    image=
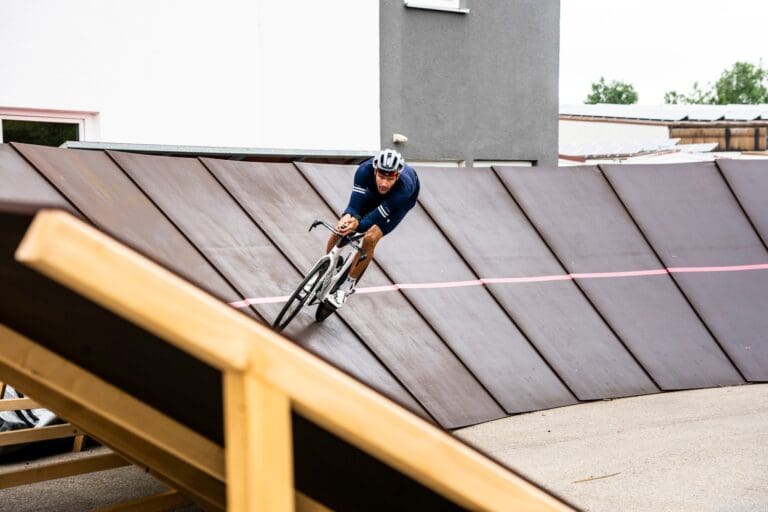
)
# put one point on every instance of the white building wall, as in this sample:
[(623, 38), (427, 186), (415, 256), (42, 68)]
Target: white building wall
[(247, 73)]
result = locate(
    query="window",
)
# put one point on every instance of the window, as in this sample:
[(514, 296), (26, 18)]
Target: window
[(44, 127), (38, 132), (502, 163), (439, 5), (437, 163)]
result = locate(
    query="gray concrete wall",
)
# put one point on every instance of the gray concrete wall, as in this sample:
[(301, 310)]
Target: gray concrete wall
[(477, 86)]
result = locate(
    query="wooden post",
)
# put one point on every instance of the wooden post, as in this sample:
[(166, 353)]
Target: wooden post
[(258, 442), (77, 445)]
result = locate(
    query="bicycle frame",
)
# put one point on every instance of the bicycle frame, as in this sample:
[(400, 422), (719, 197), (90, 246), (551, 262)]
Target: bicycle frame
[(329, 270), (333, 275)]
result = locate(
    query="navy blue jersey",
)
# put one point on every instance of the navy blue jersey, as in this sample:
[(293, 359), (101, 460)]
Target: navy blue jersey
[(385, 211)]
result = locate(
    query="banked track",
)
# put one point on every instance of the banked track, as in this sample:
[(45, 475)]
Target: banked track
[(506, 290)]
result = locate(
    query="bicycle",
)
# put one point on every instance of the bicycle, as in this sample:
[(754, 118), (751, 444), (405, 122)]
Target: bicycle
[(323, 279)]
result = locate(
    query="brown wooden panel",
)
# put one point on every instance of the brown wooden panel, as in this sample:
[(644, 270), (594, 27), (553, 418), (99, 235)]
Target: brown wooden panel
[(22, 184), (92, 181), (468, 318), (692, 219), (284, 204), (477, 214), (586, 226), (102, 342), (186, 192), (749, 181)]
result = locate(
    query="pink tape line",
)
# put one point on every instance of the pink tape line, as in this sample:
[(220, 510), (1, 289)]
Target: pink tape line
[(514, 280)]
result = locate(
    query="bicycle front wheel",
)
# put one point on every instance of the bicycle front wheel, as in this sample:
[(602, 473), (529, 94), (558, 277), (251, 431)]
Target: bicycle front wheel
[(300, 296)]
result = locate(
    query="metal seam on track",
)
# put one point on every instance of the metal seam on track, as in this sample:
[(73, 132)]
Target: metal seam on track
[(677, 284), (270, 300), (416, 309)]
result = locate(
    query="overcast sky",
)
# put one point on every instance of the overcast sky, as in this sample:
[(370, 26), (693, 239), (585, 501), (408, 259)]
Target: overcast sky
[(656, 45)]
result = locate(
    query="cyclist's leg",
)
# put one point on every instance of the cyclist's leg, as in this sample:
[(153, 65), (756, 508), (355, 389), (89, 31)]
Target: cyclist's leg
[(347, 288), (331, 242), (371, 238)]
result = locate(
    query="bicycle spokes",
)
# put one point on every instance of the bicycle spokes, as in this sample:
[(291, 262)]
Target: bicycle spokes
[(321, 280)]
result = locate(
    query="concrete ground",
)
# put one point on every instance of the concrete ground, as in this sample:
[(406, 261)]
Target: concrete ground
[(697, 451), (79, 493)]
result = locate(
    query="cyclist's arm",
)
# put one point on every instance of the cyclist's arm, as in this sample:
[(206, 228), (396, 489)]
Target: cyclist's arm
[(381, 214), (359, 193), (396, 203)]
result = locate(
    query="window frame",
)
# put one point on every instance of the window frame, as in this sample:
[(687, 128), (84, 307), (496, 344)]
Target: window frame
[(486, 164), (82, 119), (438, 5)]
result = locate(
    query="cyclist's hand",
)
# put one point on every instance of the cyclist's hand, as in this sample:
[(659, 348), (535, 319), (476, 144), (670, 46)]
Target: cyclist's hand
[(343, 221), (347, 224)]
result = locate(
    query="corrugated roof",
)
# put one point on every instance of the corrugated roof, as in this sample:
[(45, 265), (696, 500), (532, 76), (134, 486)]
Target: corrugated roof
[(623, 148), (669, 112), (232, 153)]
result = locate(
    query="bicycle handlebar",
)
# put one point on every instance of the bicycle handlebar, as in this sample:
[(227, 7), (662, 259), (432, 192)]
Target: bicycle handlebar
[(332, 229), (344, 240), (318, 222)]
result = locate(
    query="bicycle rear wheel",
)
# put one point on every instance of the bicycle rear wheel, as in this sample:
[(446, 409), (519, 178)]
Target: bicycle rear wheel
[(299, 297), (324, 310)]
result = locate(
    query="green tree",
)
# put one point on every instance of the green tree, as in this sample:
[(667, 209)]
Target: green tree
[(743, 83), (615, 92), (697, 96)]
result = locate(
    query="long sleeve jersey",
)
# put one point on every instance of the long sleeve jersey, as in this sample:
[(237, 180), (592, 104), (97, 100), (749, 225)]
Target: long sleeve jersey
[(371, 207)]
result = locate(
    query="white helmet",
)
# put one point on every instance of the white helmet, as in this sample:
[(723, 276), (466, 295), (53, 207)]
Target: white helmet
[(389, 161)]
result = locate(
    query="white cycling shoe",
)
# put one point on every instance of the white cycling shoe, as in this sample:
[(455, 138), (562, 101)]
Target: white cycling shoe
[(338, 298)]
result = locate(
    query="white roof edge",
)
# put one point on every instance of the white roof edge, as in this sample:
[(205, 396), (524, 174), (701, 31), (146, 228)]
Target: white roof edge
[(216, 150), (668, 112)]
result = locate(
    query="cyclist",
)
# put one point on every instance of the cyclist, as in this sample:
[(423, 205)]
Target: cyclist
[(384, 190)]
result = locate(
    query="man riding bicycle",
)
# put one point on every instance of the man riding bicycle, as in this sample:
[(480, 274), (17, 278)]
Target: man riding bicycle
[(384, 190)]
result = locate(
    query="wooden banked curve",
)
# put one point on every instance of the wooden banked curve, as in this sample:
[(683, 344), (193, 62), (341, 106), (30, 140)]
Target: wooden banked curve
[(281, 406)]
